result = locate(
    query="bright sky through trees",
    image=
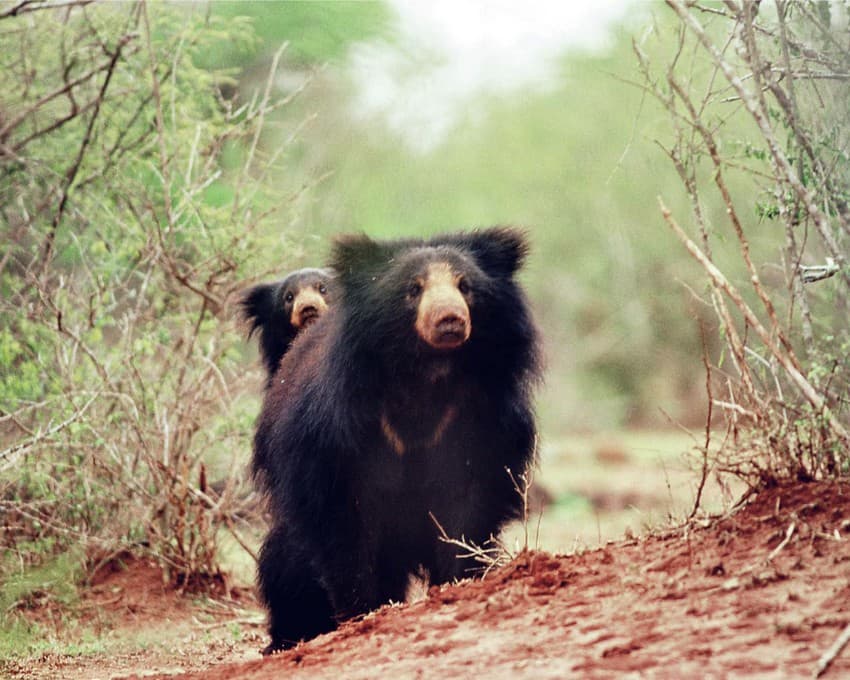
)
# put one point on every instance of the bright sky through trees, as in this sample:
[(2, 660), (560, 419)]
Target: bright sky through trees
[(445, 54)]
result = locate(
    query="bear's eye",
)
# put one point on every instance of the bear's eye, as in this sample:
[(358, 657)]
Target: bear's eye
[(463, 286), (289, 297), (415, 290), (323, 288)]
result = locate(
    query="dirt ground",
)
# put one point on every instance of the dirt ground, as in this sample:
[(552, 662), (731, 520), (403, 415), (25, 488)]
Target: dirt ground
[(134, 625), (763, 592)]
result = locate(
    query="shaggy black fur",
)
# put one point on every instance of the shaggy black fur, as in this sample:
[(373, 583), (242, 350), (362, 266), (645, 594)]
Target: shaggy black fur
[(369, 433)]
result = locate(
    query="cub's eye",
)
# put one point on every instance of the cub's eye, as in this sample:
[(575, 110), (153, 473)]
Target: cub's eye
[(323, 288), (289, 297), (463, 286), (415, 290)]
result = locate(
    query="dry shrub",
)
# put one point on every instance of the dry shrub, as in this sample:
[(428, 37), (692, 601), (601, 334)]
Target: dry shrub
[(133, 197), (759, 102)]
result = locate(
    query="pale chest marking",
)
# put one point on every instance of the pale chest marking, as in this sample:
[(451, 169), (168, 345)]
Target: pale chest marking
[(398, 444)]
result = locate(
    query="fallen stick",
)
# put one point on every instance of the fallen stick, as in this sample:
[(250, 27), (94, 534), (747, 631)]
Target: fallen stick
[(830, 654), (788, 534)]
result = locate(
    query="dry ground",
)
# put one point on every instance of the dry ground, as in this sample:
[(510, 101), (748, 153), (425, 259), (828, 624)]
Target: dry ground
[(763, 592)]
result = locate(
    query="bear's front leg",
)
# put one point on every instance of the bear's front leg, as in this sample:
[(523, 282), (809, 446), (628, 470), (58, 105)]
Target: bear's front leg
[(297, 602), (347, 569)]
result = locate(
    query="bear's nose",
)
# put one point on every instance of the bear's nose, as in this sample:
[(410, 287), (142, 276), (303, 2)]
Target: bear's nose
[(307, 315), (308, 307), (451, 330), (451, 323), (442, 315)]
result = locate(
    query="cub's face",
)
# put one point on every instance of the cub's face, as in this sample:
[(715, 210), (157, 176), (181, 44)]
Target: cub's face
[(304, 297)]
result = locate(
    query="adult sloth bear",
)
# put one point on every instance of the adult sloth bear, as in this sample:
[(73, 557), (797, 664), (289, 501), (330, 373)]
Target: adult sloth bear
[(281, 310), (407, 402)]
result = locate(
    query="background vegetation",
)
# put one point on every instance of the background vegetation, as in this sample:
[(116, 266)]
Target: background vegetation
[(157, 159)]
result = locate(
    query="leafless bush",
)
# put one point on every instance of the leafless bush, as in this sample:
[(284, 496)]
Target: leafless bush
[(759, 102), (132, 201)]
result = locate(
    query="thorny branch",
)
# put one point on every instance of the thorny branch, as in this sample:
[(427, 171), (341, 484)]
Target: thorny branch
[(783, 166)]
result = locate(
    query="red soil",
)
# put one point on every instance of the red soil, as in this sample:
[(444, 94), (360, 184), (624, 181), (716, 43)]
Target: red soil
[(761, 593)]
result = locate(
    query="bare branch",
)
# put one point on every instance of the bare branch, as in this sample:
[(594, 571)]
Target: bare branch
[(71, 174), (784, 356), (26, 6), (10, 454), (68, 87), (760, 117)]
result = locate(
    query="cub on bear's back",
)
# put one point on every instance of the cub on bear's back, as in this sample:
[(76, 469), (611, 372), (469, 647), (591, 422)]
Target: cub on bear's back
[(279, 311), (408, 402)]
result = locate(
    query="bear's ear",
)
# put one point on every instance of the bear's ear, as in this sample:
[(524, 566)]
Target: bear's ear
[(499, 251), (356, 253), (258, 305)]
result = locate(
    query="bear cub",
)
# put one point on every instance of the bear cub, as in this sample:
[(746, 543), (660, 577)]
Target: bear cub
[(406, 405), (281, 310)]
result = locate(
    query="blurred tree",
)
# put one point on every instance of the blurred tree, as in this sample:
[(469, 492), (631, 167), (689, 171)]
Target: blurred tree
[(316, 32)]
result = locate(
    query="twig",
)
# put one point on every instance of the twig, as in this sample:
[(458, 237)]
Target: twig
[(688, 177), (160, 126), (788, 534), (705, 466), (760, 117), (522, 491), (228, 520), (264, 106), (39, 436), (27, 114), (719, 180), (734, 407), (813, 273), (25, 6), (490, 557), (258, 620), (829, 655)]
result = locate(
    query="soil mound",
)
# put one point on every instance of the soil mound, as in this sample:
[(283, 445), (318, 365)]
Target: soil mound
[(763, 592)]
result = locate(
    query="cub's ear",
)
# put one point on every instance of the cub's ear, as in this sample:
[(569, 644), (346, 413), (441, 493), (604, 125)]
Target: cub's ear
[(356, 253), (499, 251), (258, 305)]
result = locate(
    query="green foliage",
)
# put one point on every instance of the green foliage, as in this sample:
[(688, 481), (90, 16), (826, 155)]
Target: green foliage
[(316, 31), (21, 376), (126, 237), (55, 579), (52, 581)]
